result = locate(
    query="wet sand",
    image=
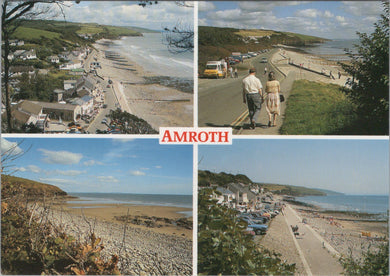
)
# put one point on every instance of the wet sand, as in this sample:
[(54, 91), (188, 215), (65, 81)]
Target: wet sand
[(108, 212), (159, 105)]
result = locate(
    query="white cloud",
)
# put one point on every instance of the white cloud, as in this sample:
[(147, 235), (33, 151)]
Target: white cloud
[(57, 180), (158, 167), (137, 173), (92, 162), (34, 169), (362, 8), (60, 157), (340, 18), (307, 13), (144, 169), (11, 148), (129, 13), (264, 6), (67, 173), (205, 6), (109, 178), (328, 14)]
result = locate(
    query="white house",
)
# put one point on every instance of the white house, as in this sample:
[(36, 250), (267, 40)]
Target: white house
[(73, 64), (54, 59), (29, 55)]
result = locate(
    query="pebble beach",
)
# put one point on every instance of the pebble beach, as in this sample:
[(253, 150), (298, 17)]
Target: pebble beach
[(141, 251)]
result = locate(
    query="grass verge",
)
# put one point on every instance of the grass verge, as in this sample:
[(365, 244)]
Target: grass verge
[(315, 108)]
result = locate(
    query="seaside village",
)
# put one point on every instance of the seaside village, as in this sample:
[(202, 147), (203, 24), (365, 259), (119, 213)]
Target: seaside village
[(252, 204), (74, 106)]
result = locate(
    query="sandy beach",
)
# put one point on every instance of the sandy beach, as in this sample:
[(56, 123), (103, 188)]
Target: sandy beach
[(159, 105), (109, 212)]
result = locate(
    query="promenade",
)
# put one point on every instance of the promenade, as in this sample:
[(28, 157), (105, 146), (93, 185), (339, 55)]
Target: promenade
[(318, 257)]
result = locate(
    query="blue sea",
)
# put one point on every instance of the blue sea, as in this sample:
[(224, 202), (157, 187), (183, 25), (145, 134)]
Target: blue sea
[(336, 47), (183, 201), (150, 52), (358, 203)]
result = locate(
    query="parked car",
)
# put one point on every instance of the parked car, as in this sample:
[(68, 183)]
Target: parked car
[(258, 228), (264, 60), (249, 231)]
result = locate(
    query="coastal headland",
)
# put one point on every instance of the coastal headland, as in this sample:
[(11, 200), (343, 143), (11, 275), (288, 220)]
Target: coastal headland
[(141, 93)]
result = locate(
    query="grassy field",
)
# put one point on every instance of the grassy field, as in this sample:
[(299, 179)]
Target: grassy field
[(31, 33), (246, 33), (315, 108), (90, 29)]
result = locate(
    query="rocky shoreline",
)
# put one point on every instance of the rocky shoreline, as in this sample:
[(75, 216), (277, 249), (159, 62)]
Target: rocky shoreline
[(141, 252)]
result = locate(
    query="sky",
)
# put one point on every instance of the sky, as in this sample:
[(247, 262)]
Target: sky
[(106, 165), (356, 167), (327, 19), (129, 13)]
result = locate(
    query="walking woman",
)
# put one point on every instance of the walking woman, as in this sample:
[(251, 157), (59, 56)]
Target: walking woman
[(272, 102)]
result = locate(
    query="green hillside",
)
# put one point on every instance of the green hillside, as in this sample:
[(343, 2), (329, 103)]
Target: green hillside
[(207, 179), (29, 34), (29, 187), (33, 30), (217, 43)]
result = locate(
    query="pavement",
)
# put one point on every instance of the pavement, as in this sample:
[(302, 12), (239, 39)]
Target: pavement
[(318, 257), (292, 66)]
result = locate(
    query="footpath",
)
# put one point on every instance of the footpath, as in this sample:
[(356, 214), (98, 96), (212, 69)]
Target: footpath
[(293, 66), (318, 257)]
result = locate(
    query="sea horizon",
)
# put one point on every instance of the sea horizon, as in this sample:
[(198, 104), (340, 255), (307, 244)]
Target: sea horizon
[(166, 200), (373, 204)]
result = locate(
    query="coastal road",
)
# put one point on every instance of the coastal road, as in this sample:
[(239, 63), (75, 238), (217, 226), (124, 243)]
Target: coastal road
[(220, 100), (318, 257), (112, 103)]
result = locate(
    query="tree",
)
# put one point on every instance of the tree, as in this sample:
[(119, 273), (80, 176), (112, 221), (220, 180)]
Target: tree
[(179, 38), (11, 15), (369, 86), (223, 248), (9, 153)]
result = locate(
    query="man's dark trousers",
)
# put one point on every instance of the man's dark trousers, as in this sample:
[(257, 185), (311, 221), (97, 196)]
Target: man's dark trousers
[(254, 102)]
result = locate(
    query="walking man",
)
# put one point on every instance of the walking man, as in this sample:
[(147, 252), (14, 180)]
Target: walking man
[(252, 95)]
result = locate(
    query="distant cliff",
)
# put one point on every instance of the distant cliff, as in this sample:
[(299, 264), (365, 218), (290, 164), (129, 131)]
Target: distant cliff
[(32, 189)]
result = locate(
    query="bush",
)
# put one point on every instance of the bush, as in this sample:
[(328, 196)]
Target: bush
[(31, 245), (373, 262), (224, 249)]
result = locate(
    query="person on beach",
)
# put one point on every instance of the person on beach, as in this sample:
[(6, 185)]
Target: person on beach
[(272, 102), (252, 95)]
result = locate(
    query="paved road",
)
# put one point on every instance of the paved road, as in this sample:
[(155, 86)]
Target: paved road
[(316, 257), (112, 103), (220, 100)]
